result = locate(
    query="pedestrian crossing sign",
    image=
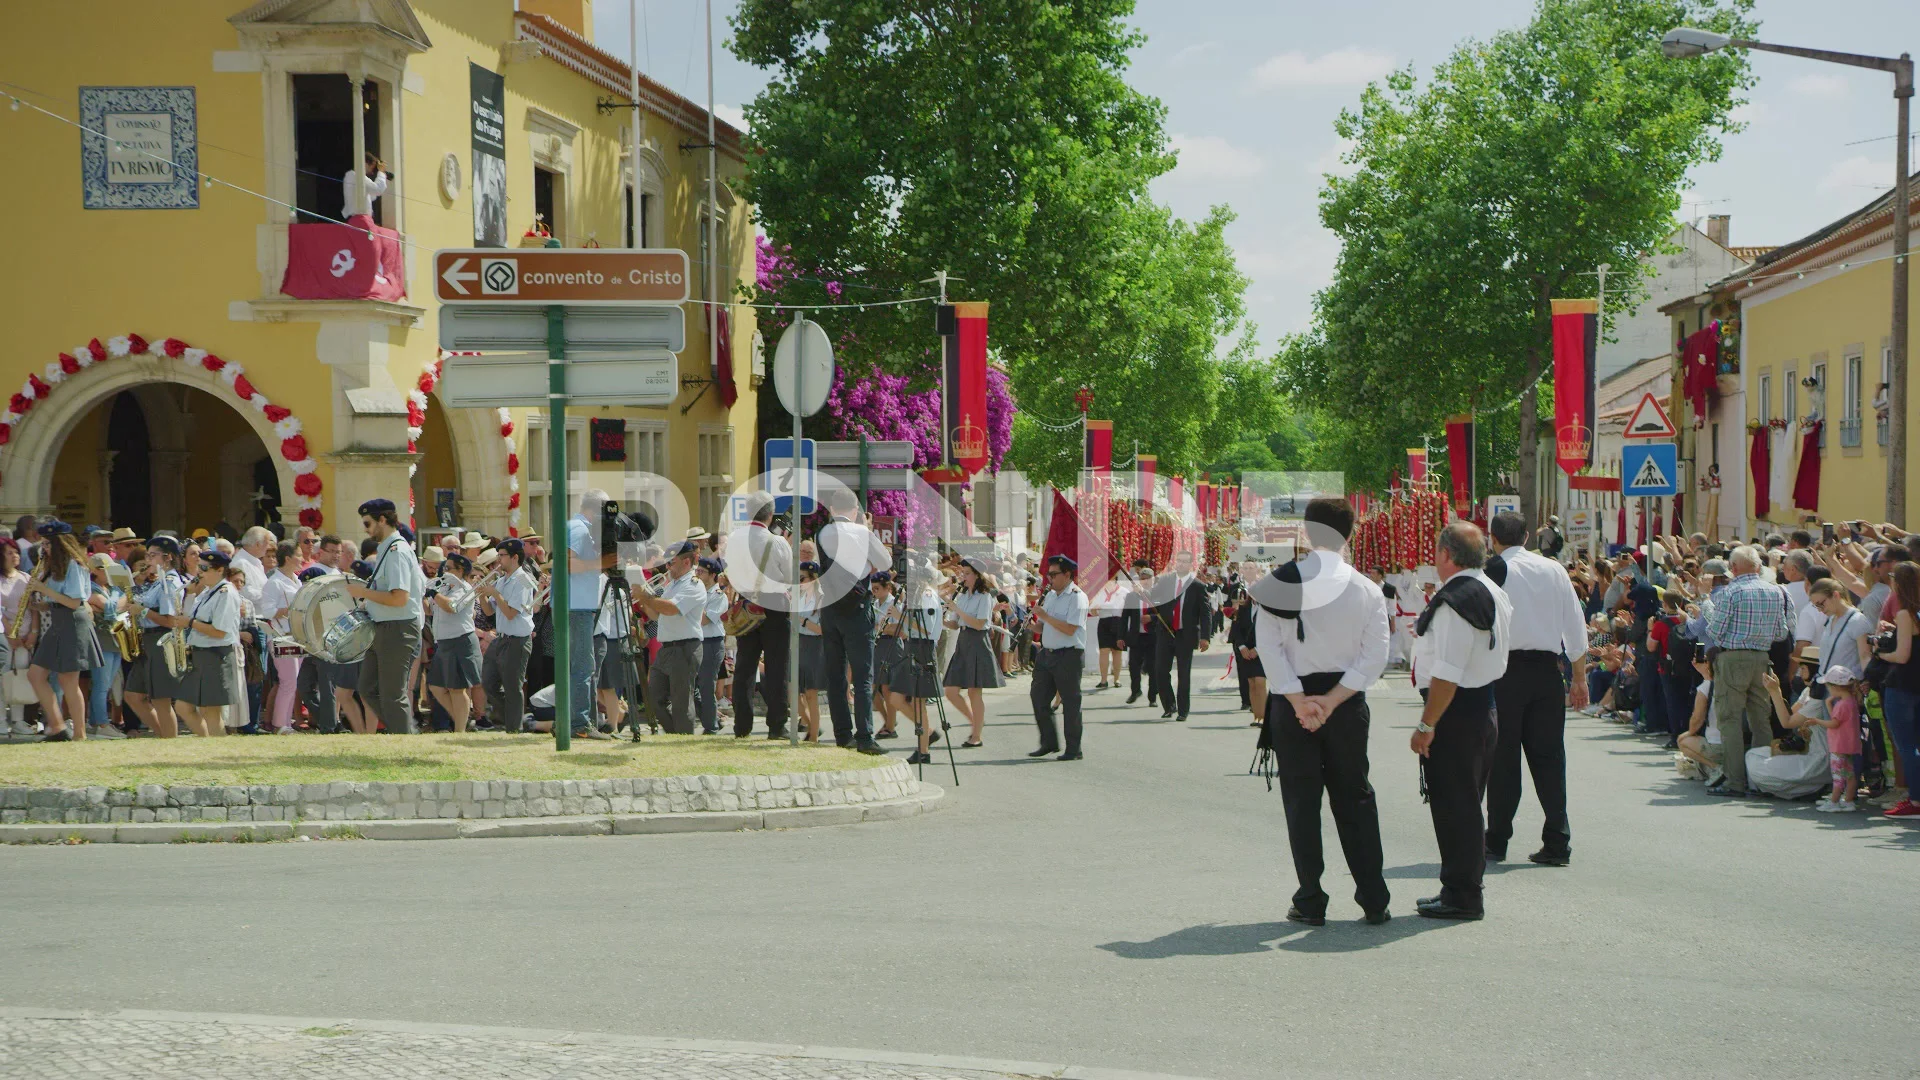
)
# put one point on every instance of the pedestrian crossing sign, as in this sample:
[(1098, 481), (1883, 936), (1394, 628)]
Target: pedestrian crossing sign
[(1650, 468)]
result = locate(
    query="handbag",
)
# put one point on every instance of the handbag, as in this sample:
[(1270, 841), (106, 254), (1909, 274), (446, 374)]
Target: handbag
[(17, 688)]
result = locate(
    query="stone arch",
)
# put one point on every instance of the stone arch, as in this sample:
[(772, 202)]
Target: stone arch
[(480, 465), (27, 461)]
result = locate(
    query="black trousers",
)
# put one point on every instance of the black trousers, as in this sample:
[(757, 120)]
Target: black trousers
[(1057, 671), (1140, 653), (315, 690), (1456, 773), (1171, 658), (1532, 706), (768, 641), (1332, 760), (846, 642)]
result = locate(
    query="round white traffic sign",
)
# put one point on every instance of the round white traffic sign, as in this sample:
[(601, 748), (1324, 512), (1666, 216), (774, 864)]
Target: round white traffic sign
[(817, 377)]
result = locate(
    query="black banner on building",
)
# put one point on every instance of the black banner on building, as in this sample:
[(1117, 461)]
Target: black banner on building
[(489, 157)]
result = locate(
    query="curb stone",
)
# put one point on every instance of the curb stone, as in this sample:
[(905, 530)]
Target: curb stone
[(928, 798), (594, 1038)]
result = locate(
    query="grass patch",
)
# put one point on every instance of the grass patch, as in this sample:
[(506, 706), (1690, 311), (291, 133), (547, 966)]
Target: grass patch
[(315, 759), (326, 1032), (342, 832)]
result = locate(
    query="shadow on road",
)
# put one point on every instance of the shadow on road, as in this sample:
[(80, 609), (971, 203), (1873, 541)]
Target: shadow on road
[(1223, 939)]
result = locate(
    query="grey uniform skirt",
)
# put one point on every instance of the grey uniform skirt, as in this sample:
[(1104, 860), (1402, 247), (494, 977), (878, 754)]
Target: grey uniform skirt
[(148, 673), (913, 670), (973, 664), (456, 663), (212, 679), (616, 668), (813, 663), (69, 643), (886, 653)]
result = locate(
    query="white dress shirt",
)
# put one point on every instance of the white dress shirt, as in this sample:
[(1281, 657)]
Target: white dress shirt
[(219, 608), (275, 598), (690, 597), (360, 190), (448, 625), (715, 623), (1798, 591), (1810, 621), (1068, 607), (1546, 611), (1346, 629), (1456, 652), (256, 572)]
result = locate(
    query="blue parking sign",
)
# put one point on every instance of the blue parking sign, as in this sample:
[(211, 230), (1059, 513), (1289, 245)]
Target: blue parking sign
[(1649, 468)]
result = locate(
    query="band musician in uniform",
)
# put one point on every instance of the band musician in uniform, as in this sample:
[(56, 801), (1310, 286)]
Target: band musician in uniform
[(393, 597), (1321, 636)]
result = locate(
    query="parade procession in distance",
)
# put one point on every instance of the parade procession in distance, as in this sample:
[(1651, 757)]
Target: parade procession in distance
[(1167, 454)]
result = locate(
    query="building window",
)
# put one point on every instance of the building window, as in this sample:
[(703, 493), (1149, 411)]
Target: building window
[(548, 196), (716, 477), (1886, 382), (647, 466), (1850, 403), (646, 216), (1817, 402), (539, 471), (704, 255), (323, 114), (1790, 396), (1766, 399)]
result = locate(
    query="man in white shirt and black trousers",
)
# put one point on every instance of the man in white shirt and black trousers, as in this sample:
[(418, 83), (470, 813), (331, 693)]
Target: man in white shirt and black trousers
[(1058, 664), (1459, 650), (1531, 698), (850, 555), (676, 612), (1321, 634)]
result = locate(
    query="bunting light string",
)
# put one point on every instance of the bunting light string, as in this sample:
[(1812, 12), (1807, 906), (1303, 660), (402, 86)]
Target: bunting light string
[(208, 180), (1052, 425)]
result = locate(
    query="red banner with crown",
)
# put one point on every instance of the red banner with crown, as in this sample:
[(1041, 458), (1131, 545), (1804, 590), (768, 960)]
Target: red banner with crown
[(1576, 336), (963, 328)]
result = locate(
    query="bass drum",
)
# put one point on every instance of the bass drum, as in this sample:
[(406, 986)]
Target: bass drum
[(328, 623)]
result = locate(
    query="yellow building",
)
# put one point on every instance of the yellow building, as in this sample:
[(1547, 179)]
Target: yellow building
[(1814, 345), (212, 394)]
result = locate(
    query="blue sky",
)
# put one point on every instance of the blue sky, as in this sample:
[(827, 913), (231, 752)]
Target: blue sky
[(1252, 88)]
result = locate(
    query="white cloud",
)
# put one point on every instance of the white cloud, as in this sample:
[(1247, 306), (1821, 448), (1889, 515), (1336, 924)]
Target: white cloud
[(1193, 52), (1210, 157), (1342, 67), (1329, 162), (1828, 87), (1306, 258), (730, 114), (1852, 177)]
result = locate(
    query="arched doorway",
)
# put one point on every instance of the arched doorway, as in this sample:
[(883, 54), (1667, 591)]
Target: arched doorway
[(436, 478), (163, 456)]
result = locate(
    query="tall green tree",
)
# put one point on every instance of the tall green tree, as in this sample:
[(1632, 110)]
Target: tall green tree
[(1480, 197), (998, 140)]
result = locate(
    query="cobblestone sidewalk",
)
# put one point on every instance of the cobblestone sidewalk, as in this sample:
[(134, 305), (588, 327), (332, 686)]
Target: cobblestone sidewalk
[(154, 1046)]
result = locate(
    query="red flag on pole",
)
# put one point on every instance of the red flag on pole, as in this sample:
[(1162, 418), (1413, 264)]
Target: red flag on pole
[(1460, 461), (1068, 535), (1146, 464), (964, 330), (1417, 465), (1576, 335), (1099, 451)]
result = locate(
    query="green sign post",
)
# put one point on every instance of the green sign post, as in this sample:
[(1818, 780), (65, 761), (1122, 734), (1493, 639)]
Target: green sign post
[(560, 601)]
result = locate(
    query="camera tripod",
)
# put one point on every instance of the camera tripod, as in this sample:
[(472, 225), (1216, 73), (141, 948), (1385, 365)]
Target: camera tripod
[(918, 620), (617, 587)]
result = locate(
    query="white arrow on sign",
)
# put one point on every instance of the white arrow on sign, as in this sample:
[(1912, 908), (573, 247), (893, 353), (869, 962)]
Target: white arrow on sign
[(453, 277)]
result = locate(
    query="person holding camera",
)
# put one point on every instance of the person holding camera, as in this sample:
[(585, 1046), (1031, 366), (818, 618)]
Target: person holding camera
[(677, 612), (588, 553)]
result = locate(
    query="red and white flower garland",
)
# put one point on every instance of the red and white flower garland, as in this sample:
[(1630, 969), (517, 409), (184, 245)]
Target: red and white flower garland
[(293, 444), (417, 401)]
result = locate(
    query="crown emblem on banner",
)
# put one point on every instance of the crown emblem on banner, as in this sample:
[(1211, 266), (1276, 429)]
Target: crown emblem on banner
[(969, 441), (1574, 441)]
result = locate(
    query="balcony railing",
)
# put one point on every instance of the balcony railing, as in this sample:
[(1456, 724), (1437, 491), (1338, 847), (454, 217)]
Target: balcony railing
[(1850, 431)]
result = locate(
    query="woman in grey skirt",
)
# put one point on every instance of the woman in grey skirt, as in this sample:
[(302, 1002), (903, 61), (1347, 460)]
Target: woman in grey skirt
[(974, 666), (69, 646), (813, 660), (455, 668), (886, 648), (213, 631)]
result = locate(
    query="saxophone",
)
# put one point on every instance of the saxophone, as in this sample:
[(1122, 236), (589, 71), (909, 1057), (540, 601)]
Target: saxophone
[(173, 648), (28, 599)]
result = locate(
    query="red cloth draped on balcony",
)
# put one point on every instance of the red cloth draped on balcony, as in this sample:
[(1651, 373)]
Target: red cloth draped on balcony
[(1700, 363), (355, 261), (1760, 464), (1806, 479)]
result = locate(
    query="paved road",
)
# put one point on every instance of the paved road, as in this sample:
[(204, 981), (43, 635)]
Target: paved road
[(1124, 911)]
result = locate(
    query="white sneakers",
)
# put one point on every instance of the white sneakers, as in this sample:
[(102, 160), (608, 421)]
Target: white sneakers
[(104, 731), (22, 727), (1828, 806)]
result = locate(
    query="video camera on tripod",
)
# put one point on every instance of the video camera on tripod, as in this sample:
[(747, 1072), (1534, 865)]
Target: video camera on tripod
[(618, 528)]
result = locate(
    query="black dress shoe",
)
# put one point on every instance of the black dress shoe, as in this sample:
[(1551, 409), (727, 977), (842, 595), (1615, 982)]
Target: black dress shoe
[(918, 758), (1375, 918), (1072, 755), (1168, 715), (1135, 696), (1438, 910), (65, 735), (1045, 751), (1182, 718), (1495, 856), (1551, 858), (1294, 914), (870, 748)]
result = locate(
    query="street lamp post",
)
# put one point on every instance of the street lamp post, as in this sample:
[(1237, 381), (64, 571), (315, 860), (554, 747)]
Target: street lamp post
[(1687, 41)]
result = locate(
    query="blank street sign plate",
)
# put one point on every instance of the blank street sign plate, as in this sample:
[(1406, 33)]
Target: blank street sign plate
[(592, 379), (498, 329)]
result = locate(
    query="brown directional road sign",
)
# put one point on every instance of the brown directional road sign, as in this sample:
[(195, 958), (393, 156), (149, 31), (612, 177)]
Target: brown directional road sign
[(569, 276)]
